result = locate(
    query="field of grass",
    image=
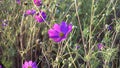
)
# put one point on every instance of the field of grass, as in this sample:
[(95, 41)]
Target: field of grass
[(60, 34)]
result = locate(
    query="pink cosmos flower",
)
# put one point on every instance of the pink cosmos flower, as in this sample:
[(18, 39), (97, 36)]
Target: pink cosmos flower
[(100, 46), (30, 12), (60, 32), (29, 64), (37, 2), (18, 1), (40, 17)]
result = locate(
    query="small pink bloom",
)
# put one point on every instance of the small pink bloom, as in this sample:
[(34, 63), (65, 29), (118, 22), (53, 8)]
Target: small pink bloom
[(100, 46), (60, 32), (29, 64), (30, 12), (18, 1), (40, 17), (37, 2)]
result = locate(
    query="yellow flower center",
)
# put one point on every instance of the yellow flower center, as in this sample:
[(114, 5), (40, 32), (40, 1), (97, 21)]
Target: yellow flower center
[(61, 34), (29, 67)]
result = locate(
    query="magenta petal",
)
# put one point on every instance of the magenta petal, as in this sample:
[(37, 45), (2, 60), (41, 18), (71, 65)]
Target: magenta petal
[(100, 46), (64, 27), (25, 65), (40, 17), (37, 2), (34, 65), (60, 39), (30, 63), (57, 27), (57, 39), (59, 32), (69, 29), (30, 12), (53, 34), (18, 1)]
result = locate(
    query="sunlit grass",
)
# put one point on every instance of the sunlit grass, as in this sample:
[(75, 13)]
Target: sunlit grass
[(22, 38)]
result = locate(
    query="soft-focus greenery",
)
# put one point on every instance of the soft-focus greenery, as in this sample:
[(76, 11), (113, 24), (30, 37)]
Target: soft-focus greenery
[(25, 39)]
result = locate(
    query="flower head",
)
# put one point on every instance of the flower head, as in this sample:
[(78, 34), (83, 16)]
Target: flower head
[(29, 64), (109, 27), (77, 47), (40, 17), (60, 32), (18, 1), (4, 24), (30, 12), (37, 2), (100, 46)]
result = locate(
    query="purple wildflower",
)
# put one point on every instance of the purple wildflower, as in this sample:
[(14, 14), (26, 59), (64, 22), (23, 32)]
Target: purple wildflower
[(109, 27), (60, 32), (40, 17), (18, 1), (30, 12), (100, 46), (29, 64), (37, 2), (4, 24), (77, 47)]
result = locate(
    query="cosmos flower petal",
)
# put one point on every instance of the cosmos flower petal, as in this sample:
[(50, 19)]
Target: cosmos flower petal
[(53, 34), (69, 29), (18, 1), (59, 32), (57, 39), (40, 17), (30, 12), (34, 65), (37, 2), (29, 63), (43, 14), (56, 27), (25, 65), (100, 46), (64, 27)]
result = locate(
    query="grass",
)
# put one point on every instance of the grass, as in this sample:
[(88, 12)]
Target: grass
[(25, 39)]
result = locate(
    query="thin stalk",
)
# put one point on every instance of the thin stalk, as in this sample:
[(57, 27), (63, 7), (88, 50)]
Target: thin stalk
[(91, 22), (21, 37), (76, 8), (71, 57)]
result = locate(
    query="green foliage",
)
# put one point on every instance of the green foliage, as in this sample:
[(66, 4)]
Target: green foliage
[(88, 18)]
